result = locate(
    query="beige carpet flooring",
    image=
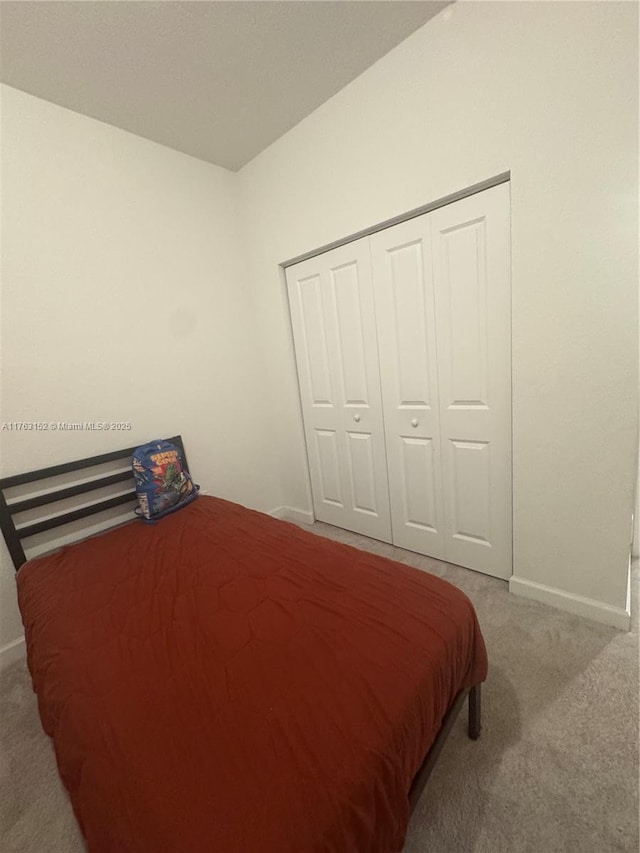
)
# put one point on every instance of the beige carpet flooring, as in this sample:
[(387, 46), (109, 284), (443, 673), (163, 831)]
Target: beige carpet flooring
[(555, 771)]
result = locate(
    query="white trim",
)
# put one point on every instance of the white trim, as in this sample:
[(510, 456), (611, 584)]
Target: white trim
[(13, 651), (587, 607), (489, 183), (292, 513)]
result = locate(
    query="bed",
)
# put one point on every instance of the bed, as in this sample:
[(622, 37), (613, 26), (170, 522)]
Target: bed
[(226, 681)]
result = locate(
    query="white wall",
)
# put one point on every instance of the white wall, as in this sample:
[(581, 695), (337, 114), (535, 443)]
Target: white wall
[(548, 91), (123, 298)]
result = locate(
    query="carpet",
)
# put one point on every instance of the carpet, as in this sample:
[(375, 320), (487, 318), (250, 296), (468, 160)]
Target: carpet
[(555, 771)]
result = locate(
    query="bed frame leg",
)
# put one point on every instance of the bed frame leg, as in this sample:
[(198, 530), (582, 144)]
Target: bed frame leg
[(475, 712)]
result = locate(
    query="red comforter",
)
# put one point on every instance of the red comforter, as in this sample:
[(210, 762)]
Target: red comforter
[(224, 682)]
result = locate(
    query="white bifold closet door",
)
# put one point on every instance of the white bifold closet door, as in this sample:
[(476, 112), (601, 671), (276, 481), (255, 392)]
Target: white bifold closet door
[(472, 276), (442, 288), (333, 318), (406, 323), (403, 344)]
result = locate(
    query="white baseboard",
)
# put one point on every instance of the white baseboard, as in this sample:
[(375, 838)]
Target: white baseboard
[(292, 513), (577, 604), (13, 651)]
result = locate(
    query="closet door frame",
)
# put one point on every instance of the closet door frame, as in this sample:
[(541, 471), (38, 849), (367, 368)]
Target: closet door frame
[(496, 180)]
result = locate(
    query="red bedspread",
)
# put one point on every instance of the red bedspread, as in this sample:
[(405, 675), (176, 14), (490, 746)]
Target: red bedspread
[(223, 681)]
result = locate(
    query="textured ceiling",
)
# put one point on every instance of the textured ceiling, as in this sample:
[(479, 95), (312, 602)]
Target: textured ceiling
[(218, 80)]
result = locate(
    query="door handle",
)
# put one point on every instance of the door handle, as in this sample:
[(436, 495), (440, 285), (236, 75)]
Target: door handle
[(414, 422), (356, 418)]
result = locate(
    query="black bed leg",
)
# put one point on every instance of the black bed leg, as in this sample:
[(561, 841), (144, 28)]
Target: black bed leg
[(475, 712)]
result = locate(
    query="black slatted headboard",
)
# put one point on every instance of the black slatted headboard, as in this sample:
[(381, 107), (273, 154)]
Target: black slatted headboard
[(14, 534)]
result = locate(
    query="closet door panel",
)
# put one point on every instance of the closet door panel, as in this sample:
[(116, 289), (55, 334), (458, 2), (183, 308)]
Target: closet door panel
[(349, 342), (333, 321), (471, 276), (471, 495), (361, 466), (313, 335), (328, 467), (401, 263), (420, 510)]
